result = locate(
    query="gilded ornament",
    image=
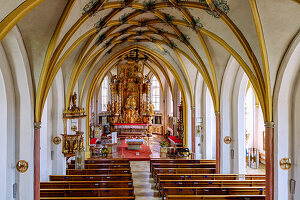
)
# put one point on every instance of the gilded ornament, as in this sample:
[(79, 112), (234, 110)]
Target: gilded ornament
[(57, 140), (227, 140), (285, 163), (22, 166)]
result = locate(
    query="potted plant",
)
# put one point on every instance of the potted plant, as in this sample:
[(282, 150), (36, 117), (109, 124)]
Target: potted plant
[(163, 150)]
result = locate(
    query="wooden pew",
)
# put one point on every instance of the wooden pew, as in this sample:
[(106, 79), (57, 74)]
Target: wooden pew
[(159, 160), (98, 171), (103, 177), (183, 171), (216, 197), (88, 198), (87, 192), (212, 191), (86, 184), (108, 160), (181, 165), (102, 166), (210, 183), (208, 177)]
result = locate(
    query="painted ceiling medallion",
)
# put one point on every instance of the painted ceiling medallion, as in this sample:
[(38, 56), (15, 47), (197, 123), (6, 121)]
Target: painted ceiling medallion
[(221, 4), (285, 163), (89, 6), (22, 166), (227, 140), (57, 140)]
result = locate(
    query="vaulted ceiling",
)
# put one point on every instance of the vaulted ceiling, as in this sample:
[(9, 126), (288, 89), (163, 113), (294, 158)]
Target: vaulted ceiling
[(183, 38)]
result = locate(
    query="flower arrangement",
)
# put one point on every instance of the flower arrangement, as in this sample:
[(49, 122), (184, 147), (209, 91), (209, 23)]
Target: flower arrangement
[(164, 143)]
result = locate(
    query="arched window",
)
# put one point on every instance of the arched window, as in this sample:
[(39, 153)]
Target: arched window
[(155, 94), (104, 94)]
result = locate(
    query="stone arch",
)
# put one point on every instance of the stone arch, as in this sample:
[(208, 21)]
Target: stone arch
[(7, 124), (227, 86), (24, 107), (199, 116), (286, 82)]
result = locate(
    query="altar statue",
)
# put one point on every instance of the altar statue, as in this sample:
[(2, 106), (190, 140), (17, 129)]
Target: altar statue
[(151, 112), (130, 103)]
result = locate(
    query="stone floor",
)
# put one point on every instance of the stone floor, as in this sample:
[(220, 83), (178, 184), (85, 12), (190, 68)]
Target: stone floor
[(143, 184), (260, 170)]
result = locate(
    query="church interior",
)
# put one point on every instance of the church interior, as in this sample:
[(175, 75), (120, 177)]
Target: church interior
[(150, 99)]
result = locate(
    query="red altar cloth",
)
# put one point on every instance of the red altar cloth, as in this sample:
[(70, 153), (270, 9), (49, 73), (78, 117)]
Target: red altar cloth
[(120, 124), (144, 153), (93, 140), (175, 140)]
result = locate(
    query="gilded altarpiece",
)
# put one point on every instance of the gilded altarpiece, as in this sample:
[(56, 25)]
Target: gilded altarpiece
[(130, 95)]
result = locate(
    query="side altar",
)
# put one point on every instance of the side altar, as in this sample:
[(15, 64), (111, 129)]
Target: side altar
[(130, 107)]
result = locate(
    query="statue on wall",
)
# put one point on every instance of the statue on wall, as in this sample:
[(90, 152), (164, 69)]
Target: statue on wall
[(74, 99)]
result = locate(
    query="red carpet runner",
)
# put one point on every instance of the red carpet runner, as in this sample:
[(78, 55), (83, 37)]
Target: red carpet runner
[(144, 153)]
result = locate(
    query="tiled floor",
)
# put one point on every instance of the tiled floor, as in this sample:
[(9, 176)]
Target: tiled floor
[(143, 183), (260, 170)]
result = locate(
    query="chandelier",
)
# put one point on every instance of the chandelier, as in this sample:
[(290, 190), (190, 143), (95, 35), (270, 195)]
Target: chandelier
[(135, 57)]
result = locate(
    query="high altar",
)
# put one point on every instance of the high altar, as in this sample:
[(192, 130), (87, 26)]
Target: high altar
[(130, 105)]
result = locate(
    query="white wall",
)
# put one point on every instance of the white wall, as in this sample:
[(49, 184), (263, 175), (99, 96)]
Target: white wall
[(295, 138), (210, 128)]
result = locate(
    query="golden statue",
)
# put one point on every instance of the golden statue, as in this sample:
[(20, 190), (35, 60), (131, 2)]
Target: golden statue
[(75, 144), (67, 146), (130, 103), (74, 99), (151, 112)]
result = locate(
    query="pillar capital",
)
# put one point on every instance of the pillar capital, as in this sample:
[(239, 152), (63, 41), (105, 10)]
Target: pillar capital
[(37, 125), (269, 125)]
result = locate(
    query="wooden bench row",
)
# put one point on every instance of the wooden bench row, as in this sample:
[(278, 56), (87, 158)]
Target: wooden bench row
[(208, 177), (103, 177), (212, 191), (98, 171), (87, 192), (87, 184), (155, 161), (209, 183), (216, 197), (109, 160), (102, 166), (88, 198), (196, 179), (183, 171)]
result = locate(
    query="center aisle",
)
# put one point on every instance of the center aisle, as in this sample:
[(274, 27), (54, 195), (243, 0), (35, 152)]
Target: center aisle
[(143, 184)]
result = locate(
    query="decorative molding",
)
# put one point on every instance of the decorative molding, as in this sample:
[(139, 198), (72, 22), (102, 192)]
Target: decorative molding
[(22, 166), (37, 125), (285, 163), (56, 140), (269, 125), (227, 139)]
